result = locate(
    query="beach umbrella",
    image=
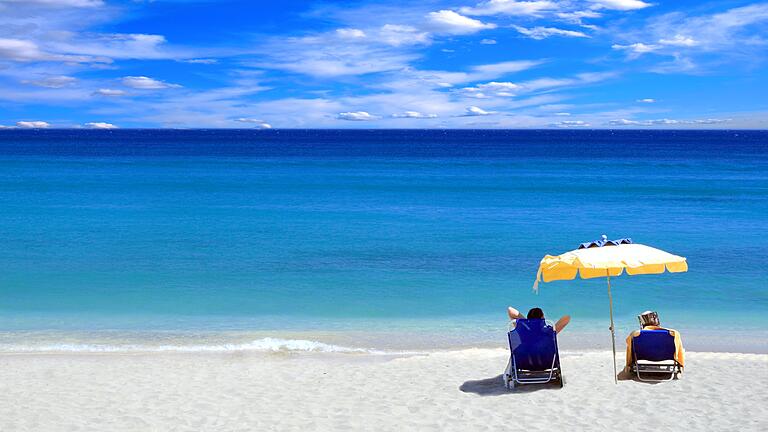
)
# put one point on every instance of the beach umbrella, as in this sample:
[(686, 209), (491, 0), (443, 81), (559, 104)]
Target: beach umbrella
[(606, 258)]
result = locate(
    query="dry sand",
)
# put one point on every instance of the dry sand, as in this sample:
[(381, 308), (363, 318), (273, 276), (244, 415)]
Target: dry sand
[(441, 391)]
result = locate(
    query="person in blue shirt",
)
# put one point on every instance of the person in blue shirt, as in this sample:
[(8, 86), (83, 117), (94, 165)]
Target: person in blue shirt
[(537, 313)]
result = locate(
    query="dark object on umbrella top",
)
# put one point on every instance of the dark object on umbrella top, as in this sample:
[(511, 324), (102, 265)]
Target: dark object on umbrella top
[(605, 242)]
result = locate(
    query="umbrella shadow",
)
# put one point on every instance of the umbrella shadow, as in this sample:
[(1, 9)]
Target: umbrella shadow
[(495, 387)]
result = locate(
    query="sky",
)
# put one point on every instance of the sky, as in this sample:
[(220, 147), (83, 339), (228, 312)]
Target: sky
[(383, 64)]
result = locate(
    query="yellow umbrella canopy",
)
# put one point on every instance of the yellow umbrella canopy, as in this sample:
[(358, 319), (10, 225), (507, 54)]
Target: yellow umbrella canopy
[(606, 258), (602, 261)]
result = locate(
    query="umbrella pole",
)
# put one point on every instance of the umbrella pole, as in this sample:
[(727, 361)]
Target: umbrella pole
[(613, 334)]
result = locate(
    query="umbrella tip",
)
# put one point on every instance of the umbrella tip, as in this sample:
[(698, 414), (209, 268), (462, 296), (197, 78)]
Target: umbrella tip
[(604, 237)]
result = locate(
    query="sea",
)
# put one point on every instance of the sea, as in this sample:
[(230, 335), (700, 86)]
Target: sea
[(371, 241)]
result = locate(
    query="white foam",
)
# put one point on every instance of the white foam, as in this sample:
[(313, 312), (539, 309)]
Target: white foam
[(267, 344)]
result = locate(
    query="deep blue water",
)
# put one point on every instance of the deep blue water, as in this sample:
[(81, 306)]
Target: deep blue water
[(327, 229)]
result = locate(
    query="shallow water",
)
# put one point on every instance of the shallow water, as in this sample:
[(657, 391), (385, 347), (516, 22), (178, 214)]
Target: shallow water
[(428, 235)]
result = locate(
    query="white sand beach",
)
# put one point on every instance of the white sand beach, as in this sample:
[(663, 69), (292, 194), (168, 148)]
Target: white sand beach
[(441, 391)]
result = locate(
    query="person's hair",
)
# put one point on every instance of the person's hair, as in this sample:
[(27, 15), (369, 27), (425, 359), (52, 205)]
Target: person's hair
[(535, 313)]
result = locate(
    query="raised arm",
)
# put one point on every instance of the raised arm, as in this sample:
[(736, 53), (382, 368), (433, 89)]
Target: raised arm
[(514, 313), (561, 323)]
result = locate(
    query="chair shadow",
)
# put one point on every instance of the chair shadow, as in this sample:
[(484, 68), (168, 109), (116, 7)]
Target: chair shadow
[(625, 375), (495, 387)]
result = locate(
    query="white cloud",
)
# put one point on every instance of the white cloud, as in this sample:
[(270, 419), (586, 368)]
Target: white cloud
[(414, 115), (499, 69), (109, 92), (736, 35), (350, 33), (52, 82), (58, 3), (396, 35), (679, 40), (100, 125), (476, 111), (115, 46), (146, 83), (326, 55), (28, 51), (666, 122), (635, 50), (623, 5), (510, 7), (448, 21), (488, 42), (32, 124), (356, 116), (646, 100), (539, 33), (547, 84), (201, 61), (260, 124), (493, 88), (576, 17), (571, 124), (562, 114)]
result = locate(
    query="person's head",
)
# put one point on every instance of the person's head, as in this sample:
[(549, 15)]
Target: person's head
[(535, 313), (649, 318)]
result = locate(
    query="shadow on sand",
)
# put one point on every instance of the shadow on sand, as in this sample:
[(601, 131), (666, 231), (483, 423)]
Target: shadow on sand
[(625, 375), (495, 387)]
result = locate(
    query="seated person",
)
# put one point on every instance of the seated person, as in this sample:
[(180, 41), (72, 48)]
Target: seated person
[(649, 320), (537, 313)]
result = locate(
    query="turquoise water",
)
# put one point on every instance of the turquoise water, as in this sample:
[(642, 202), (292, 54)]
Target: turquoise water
[(399, 233)]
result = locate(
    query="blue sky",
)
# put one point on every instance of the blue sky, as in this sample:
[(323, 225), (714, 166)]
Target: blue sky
[(421, 64)]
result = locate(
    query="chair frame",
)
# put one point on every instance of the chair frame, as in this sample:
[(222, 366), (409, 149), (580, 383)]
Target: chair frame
[(671, 367), (514, 376)]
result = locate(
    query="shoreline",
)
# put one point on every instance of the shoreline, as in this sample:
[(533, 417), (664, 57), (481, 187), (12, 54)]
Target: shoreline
[(379, 342)]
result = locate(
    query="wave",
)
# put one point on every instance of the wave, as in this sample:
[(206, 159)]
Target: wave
[(267, 344)]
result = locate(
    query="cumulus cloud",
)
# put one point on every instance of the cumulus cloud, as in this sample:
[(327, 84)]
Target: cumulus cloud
[(356, 116), (488, 42), (646, 100), (414, 115), (448, 21), (33, 124), (257, 123), (146, 83), (623, 5), (109, 92), (539, 33), (474, 111), (100, 125), (52, 82), (510, 7), (493, 88)]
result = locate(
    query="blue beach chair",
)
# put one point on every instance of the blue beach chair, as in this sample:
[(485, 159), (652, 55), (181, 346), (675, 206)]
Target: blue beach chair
[(653, 355), (534, 357)]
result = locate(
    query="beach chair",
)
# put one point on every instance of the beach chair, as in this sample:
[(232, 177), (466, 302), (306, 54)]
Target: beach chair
[(534, 357), (653, 356)]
